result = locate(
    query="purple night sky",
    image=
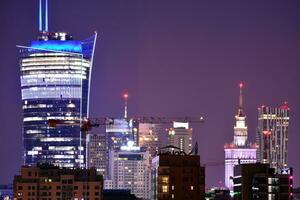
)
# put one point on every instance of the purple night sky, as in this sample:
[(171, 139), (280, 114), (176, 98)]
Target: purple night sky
[(175, 58)]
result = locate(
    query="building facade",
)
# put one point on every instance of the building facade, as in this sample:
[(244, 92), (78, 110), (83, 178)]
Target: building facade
[(55, 80), (50, 182), (97, 156), (176, 175), (240, 150), (181, 136), (129, 168), (151, 137), (119, 132), (259, 181), (272, 136)]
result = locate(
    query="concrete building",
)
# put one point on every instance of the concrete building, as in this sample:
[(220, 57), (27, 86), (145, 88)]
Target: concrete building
[(259, 181), (176, 175), (240, 150), (272, 136), (97, 156), (50, 182), (181, 136), (130, 169)]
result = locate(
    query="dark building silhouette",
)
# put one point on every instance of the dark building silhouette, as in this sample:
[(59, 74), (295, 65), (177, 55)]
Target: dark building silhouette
[(177, 175), (218, 194), (259, 181), (118, 194)]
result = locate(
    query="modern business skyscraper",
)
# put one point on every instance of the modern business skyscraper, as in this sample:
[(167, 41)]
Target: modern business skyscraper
[(272, 136), (55, 84), (181, 136), (240, 150)]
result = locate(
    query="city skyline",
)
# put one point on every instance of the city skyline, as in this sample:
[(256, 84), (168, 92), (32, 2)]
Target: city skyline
[(166, 71)]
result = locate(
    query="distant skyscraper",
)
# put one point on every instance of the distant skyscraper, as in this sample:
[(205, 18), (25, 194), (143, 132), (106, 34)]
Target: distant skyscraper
[(97, 152), (130, 169), (151, 137), (272, 136), (55, 84), (181, 136), (119, 132), (240, 150)]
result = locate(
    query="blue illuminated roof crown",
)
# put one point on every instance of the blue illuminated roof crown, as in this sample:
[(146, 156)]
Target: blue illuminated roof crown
[(58, 45)]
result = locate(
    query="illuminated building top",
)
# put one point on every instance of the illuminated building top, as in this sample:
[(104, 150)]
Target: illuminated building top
[(240, 128)]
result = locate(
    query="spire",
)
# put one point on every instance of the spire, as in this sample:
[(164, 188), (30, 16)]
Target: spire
[(43, 15), (240, 110), (125, 96)]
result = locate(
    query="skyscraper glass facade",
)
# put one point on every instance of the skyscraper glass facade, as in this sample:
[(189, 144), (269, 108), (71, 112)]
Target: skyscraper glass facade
[(55, 81)]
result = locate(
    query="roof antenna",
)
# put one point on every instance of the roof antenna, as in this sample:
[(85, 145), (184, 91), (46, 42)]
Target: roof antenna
[(125, 96)]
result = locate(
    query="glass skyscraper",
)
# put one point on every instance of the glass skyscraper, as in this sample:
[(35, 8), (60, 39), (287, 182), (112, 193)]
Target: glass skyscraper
[(55, 84)]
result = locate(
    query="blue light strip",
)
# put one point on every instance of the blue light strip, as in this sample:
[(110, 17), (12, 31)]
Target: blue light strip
[(40, 16), (68, 46), (46, 16)]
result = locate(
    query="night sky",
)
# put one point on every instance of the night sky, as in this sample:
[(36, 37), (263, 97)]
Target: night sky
[(175, 58)]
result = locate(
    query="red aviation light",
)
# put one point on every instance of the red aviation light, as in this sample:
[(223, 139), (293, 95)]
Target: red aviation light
[(267, 133), (125, 95), (241, 85)]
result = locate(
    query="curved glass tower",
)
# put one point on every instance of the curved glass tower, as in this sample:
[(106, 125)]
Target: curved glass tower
[(55, 84)]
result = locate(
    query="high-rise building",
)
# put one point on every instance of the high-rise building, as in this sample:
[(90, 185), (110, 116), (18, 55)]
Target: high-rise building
[(129, 168), (51, 182), (55, 84), (240, 150), (176, 175), (272, 136), (97, 156), (259, 181), (119, 132), (151, 137), (181, 136)]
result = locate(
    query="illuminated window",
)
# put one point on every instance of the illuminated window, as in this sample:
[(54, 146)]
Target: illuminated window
[(165, 179), (173, 187), (165, 188), (173, 196), (192, 187)]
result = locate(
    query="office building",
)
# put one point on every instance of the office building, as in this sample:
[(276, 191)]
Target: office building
[(151, 137), (51, 182), (176, 175), (259, 181), (119, 132), (129, 168), (181, 136), (272, 136), (55, 74), (97, 156), (240, 150)]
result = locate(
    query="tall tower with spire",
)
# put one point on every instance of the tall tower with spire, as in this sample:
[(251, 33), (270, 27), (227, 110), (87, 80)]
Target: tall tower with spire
[(240, 129), (55, 78), (240, 150)]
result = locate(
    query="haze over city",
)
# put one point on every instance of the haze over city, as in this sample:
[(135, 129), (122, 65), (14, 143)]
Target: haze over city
[(174, 58)]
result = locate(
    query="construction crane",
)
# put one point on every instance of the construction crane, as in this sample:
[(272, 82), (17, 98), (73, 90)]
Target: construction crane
[(88, 123)]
